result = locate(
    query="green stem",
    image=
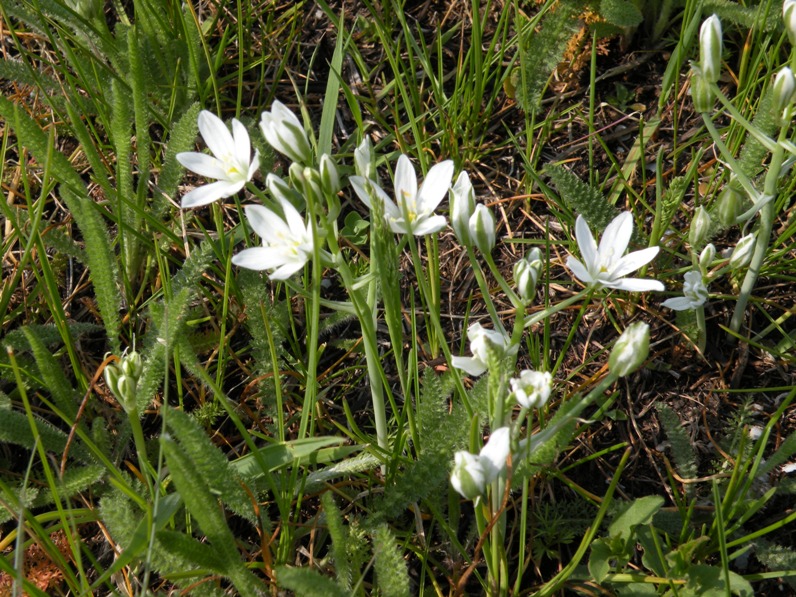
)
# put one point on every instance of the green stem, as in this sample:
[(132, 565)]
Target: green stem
[(761, 243), (728, 157)]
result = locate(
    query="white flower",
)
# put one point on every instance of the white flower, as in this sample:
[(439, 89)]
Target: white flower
[(605, 266), (473, 472), (481, 340), (695, 293), (230, 163), (462, 207), (784, 88), (710, 48), (284, 132), (287, 243), (413, 210), (532, 388)]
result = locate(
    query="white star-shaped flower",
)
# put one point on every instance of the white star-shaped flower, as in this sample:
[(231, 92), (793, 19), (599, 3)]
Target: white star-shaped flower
[(231, 163), (413, 209), (695, 293), (606, 266), (287, 243)]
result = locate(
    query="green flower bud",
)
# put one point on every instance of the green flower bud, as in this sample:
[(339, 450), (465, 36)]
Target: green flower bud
[(706, 258), (742, 253), (710, 40), (784, 89), (630, 350), (700, 228), (127, 391), (789, 16), (462, 207), (363, 160), (526, 274), (729, 203), (111, 374), (701, 93), (330, 179), (132, 365), (482, 228)]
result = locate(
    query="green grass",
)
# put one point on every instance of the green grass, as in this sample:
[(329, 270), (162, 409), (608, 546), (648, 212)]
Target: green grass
[(300, 434)]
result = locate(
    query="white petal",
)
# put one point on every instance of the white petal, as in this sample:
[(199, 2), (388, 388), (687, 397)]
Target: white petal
[(470, 365), (635, 284), (254, 165), (435, 186), (287, 270), (243, 146), (616, 236), (580, 271), (265, 223), (496, 451), (429, 225), (633, 261), (202, 164), (586, 244), (405, 181), (283, 113), (293, 218), (259, 258), (208, 193), (216, 134), (679, 303), (361, 189)]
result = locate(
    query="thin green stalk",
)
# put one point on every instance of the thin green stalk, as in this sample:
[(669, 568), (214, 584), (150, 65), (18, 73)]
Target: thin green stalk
[(762, 241)]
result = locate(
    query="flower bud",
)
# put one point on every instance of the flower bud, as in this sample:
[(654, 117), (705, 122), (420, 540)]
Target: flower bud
[(706, 258), (630, 350), (784, 88), (526, 274), (789, 16), (462, 207), (468, 476), (132, 365), (494, 454), (284, 132), (710, 48), (127, 388), (111, 374), (742, 253), (330, 179), (363, 160), (701, 93), (482, 229), (532, 388), (729, 203), (700, 228)]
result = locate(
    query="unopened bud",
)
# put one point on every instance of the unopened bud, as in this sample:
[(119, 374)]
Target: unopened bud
[(111, 374), (468, 476), (710, 41), (729, 205), (462, 207), (742, 254), (330, 179), (700, 228), (789, 16), (630, 350), (701, 93), (132, 365), (363, 160), (706, 258), (127, 388), (784, 88), (526, 274), (482, 229)]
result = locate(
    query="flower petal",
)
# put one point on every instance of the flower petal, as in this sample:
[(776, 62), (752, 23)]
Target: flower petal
[(495, 452), (265, 223), (616, 236), (287, 270), (208, 193), (679, 303), (242, 144), (259, 258), (435, 186), (216, 134), (580, 271), (633, 261), (295, 222), (635, 284), (470, 365), (430, 225), (202, 164), (405, 181), (586, 244)]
